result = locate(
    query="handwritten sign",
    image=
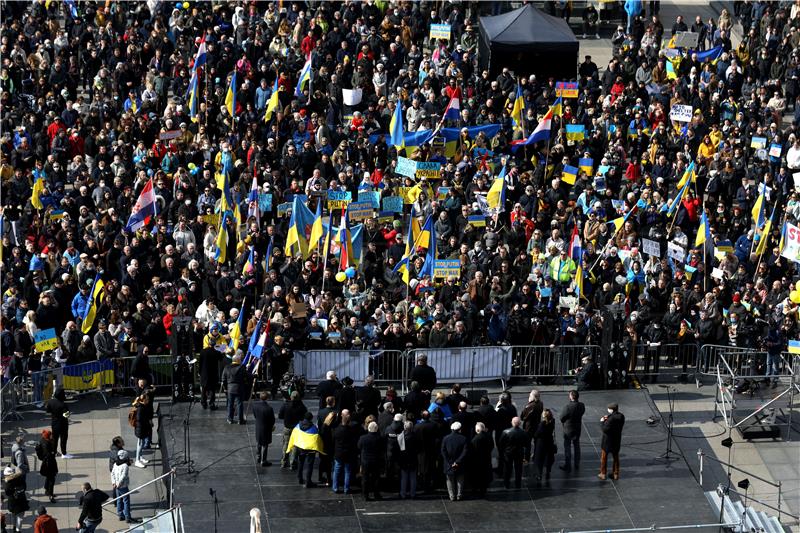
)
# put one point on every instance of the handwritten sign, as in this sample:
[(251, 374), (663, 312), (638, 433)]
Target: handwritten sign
[(373, 197), (284, 208), (681, 113), (676, 252), (265, 202), (428, 170), (567, 89), (46, 340), (339, 199), (445, 268), (393, 204), (359, 211), (758, 143), (405, 167), (570, 302), (169, 135), (651, 247), (791, 248), (440, 31)]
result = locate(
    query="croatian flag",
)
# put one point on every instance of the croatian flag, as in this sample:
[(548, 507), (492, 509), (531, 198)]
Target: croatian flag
[(201, 57), (541, 133), (453, 110), (143, 209)]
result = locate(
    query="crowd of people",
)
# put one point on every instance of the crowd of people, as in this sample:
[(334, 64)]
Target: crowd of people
[(164, 167)]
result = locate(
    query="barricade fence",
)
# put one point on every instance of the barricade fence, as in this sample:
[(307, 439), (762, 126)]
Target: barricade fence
[(387, 366), (746, 362), (549, 361), (654, 359), (161, 372)]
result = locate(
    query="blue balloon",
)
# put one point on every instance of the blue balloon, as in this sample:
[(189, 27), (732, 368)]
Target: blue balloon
[(350, 272), (179, 5)]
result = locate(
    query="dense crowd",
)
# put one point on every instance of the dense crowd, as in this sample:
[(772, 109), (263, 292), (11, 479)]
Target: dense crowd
[(104, 103)]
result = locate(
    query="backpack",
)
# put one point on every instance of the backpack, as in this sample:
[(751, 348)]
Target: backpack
[(132, 417)]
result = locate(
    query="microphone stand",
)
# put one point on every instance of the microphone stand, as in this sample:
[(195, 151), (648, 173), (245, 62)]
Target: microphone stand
[(187, 445), (669, 454), (213, 494)]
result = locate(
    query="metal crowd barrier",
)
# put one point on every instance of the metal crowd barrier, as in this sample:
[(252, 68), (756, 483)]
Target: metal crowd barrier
[(740, 359), (161, 367), (537, 362), (468, 363), (10, 399), (665, 359), (387, 366)]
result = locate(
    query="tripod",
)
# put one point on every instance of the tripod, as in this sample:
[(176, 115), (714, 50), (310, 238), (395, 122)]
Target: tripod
[(187, 444), (669, 454)]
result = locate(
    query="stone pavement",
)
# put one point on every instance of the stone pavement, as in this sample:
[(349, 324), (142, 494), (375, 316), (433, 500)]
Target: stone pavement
[(92, 426)]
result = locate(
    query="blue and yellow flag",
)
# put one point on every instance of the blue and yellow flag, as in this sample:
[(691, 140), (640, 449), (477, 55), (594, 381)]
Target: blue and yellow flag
[(794, 346), (317, 230), (569, 174), (579, 280), (703, 232), (235, 333), (396, 131), (402, 266), (36, 193), (305, 76), (94, 302), (687, 174), (758, 211), (575, 132), (306, 440), (429, 233), (249, 265), (673, 207), (88, 376), (764, 241), (221, 244), (518, 111), (586, 164), (496, 196), (711, 55), (193, 97), (230, 98), (558, 106), (273, 102)]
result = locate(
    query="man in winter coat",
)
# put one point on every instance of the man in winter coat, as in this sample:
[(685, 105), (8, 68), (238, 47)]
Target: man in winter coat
[(59, 422), (292, 412), (454, 454), (512, 443), (91, 508), (370, 447), (20, 459), (264, 416), (120, 481), (210, 358), (234, 377), (612, 440), (44, 522), (571, 419)]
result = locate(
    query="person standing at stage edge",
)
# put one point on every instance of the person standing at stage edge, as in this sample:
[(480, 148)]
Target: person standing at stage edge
[(612, 440), (210, 358), (264, 416), (234, 377)]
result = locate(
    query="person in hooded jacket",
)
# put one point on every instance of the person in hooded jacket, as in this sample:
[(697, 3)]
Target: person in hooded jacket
[(120, 481), (16, 500), (46, 453), (59, 419), (44, 522)]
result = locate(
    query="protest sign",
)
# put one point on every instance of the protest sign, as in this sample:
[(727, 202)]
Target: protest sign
[(352, 97), (373, 197), (791, 247), (651, 247), (169, 135), (676, 252), (567, 89), (284, 208), (441, 193), (393, 204), (45, 340), (758, 142), (681, 113), (265, 201), (405, 167), (428, 170), (444, 268), (339, 199), (440, 31), (478, 221), (359, 211)]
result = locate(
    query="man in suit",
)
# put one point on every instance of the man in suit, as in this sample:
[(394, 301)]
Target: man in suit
[(612, 440), (265, 423), (571, 417)]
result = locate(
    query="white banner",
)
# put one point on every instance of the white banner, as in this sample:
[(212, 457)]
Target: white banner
[(681, 113), (791, 247), (352, 97), (481, 363)]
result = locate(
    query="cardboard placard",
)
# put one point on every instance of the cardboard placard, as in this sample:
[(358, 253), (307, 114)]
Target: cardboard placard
[(441, 193), (567, 89), (359, 211), (570, 302), (686, 39), (478, 221), (428, 170), (46, 340), (444, 268), (265, 202), (676, 252), (299, 310), (284, 208), (393, 204), (339, 199), (758, 142), (405, 167), (169, 135), (775, 150), (791, 248), (440, 31), (352, 97), (373, 197), (681, 113), (652, 248)]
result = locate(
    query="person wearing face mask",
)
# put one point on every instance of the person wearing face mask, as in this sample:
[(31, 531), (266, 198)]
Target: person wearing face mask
[(611, 424)]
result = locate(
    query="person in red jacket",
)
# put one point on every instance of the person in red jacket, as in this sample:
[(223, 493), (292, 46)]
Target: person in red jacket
[(308, 43), (54, 128), (44, 522)]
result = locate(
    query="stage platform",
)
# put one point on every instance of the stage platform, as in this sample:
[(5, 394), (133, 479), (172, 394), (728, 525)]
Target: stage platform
[(650, 490)]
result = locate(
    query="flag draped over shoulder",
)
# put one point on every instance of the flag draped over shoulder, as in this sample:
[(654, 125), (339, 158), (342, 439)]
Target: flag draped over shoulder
[(306, 439), (91, 309)]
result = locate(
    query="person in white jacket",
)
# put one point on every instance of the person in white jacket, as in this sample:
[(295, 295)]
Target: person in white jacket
[(120, 481)]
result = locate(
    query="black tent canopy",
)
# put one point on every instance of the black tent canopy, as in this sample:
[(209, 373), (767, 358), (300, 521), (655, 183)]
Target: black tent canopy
[(528, 41)]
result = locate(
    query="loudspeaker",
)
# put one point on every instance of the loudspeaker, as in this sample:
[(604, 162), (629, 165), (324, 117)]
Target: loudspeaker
[(474, 396)]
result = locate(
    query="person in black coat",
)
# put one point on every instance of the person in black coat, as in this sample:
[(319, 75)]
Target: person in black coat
[(486, 414), (505, 412), (328, 387), (571, 420), (346, 396), (544, 446), (481, 458), (59, 419), (416, 400), (46, 453), (140, 369), (369, 397), (512, 445), (429, 439), (144, 427), (612, 425), (392, 434), (345, 450), (264, 416), (531, 417), (370, 448), (424, 374), (210, 359), (465, 418), (234, 377), (454, 456), (408, 460), (16, 501), (292, 412)]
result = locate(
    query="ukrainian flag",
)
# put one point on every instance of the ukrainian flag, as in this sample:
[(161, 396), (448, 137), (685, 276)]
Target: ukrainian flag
[(305, 75), (235, 333), (230, 98), (781, 244), (673, 207), (91, 310), (193, 97), (758, 211), (496, 198), (558, 106), (579, 280), (430, 257), (672, 74), (518, 111), (586, 164), (569, 174), (703, 232), (317, 231), (712, 55), (36, 193), (575, 132), (88, 376), (403, 265), (273, 103), (221, 251), (249, 265), (762, 244), (687, 174), (794, 346), (306, 440), (396, 133), (296, 240)]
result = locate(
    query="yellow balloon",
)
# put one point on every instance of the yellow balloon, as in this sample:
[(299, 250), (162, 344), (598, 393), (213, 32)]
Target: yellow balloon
[(186, 5), (794, 296), (341, 277)]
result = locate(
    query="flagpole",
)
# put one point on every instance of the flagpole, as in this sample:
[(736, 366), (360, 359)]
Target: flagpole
[(327, 249)]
